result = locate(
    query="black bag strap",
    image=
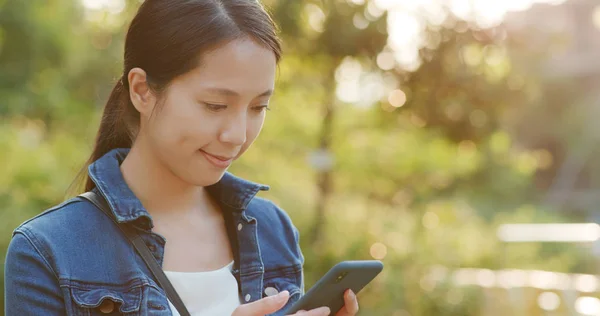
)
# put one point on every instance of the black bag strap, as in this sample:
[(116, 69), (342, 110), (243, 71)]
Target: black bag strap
[(143, 251)]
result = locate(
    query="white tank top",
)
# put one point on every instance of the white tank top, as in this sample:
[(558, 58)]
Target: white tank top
[(206, 293)]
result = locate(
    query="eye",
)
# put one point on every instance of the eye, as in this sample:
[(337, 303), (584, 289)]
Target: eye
[(215, 107), (260, 108)]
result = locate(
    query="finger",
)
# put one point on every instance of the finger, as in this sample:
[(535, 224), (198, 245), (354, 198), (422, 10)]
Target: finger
[(350, 304), (321, 311), (263, 306)]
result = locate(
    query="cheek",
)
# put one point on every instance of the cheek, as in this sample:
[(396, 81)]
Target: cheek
[(182, 123), (255, 126), (252, 131)]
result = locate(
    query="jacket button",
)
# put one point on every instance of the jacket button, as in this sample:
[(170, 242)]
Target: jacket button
[(107, 307), (270, 291), (247, 298), (239, 226)]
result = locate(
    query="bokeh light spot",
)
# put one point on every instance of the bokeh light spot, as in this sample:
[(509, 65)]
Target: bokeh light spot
[(378, 251), (397, 98), (548, 301)]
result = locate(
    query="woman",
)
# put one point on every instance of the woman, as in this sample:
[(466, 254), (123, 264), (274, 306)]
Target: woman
[(197, 79)]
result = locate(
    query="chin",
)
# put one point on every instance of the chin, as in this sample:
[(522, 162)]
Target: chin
[(205, 179)]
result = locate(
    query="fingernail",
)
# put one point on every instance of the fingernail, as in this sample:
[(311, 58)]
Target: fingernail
[(282, 295), (352, 295)]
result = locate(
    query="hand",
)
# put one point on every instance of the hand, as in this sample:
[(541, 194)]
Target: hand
[(272, 304), (350, 304)]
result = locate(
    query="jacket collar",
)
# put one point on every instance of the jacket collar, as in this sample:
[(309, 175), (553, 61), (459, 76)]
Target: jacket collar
[(230, 192)]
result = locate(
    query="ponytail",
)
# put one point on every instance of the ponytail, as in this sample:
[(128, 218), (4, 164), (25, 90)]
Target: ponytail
[(118, 126)]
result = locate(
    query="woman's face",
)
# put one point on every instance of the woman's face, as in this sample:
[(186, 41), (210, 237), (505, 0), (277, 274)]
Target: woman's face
[(212, 114)]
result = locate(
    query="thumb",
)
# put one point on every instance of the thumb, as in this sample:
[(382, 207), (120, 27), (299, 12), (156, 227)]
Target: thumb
[(263, 306)]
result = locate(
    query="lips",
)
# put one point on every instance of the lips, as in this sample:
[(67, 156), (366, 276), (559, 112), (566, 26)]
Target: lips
[(217, 160), (221, 157)]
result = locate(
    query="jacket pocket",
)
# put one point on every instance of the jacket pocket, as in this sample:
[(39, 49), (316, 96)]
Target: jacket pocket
[(283, 279), (87, 299)]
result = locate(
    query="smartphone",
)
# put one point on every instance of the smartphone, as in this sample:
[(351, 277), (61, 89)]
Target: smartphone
[(329, 290)]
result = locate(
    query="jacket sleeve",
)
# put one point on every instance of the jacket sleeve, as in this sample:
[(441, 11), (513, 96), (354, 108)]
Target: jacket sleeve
[(31, 286), (297, 239)]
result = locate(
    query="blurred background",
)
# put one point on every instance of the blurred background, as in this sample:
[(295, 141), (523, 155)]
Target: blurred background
[(455, 140)]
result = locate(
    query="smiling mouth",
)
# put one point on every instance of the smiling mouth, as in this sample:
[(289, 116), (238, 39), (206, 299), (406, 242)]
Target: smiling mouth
[(221, 157), (216, 160)]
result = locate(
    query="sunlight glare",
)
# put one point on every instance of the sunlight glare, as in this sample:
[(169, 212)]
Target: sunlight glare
[(596, 16), (112, 6), (489, 13), (407, 20)]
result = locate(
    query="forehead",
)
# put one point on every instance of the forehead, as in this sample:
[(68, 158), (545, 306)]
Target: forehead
[(242, 65)]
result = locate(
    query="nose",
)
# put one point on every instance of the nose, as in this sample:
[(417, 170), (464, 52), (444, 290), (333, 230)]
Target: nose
[(235, 130)]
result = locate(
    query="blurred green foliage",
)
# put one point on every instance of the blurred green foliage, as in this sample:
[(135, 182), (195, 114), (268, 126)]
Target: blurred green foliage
[(421, 186)]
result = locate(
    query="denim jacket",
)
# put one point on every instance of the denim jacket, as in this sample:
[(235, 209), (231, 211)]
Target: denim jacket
[(72, 258)]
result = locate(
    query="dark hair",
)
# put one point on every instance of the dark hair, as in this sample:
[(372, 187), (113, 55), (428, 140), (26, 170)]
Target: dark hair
[(166, 39)]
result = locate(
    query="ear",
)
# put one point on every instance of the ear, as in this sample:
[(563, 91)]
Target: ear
[(141, 95)]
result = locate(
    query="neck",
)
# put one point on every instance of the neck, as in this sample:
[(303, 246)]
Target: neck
[(160, 191)]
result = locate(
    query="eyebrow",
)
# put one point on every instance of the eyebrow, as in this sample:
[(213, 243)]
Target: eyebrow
[(231, 93)]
